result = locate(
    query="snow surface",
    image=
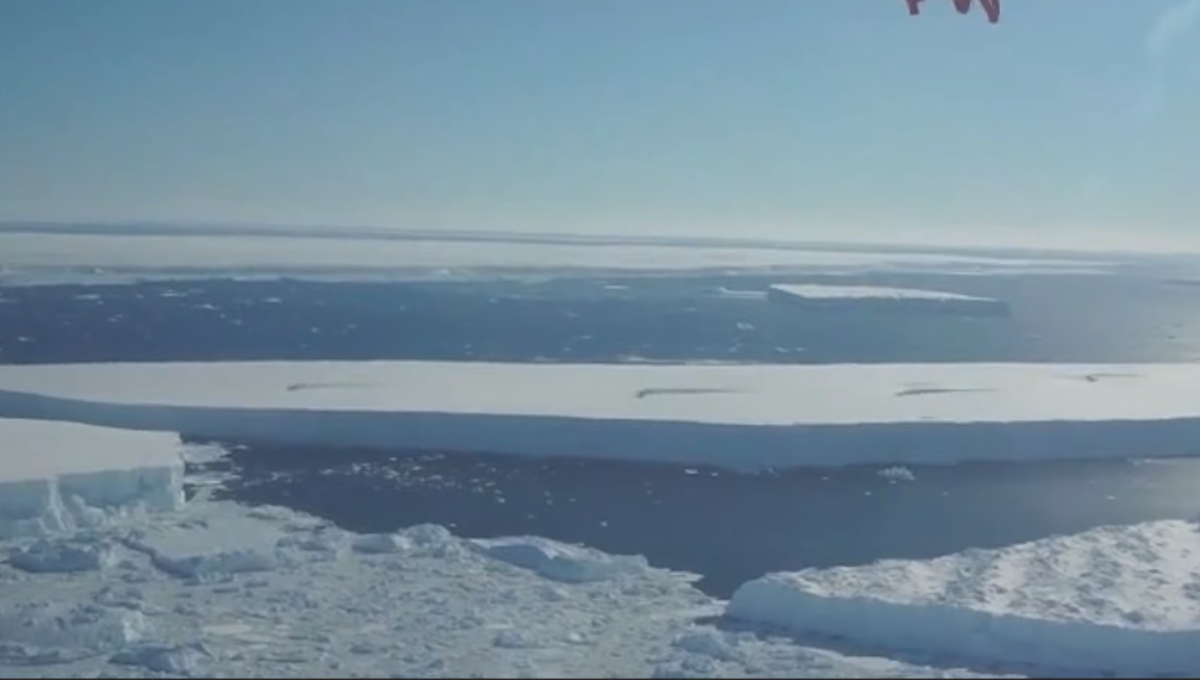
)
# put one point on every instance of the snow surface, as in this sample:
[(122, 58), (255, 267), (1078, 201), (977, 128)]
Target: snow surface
[(736, 416), (33, 258), (877, 297), (431, 606), (1123, 600), (56, 476)]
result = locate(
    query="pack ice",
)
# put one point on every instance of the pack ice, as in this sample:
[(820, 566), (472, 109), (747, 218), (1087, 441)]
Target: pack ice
[(1114, 600), (60, 476)]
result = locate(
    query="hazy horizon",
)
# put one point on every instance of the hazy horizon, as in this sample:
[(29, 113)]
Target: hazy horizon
[(1067, 126)]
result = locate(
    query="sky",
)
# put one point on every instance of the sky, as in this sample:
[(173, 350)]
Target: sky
[(1070, 120)]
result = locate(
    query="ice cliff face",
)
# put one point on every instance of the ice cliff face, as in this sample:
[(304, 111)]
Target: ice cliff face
[(59, 477)]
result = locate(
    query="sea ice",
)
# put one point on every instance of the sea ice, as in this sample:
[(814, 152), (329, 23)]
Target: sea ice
[(183, 660), (48, 556), (560, 561), (228, 542), (42, 633), (380, 544), (442, 606)]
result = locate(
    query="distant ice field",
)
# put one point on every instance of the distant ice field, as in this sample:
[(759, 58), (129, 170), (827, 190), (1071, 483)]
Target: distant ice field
[(99, 257), (687, 317)]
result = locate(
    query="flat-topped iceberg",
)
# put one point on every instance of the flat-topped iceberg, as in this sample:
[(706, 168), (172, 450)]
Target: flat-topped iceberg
[(59, 476), (736, 416), (879, 298)]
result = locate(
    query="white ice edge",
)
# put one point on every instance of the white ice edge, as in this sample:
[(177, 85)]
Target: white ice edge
[(816, 296), (857, 293), (62, 476), (30, 258), (735, 416), (1115, 600)]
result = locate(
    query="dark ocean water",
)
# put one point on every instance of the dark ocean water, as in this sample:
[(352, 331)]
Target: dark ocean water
[(1055, 318), (728, 527)]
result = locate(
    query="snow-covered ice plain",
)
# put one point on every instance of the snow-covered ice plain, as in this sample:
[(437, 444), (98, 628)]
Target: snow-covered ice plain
[(870, 298), (215, 589), (746, 417)]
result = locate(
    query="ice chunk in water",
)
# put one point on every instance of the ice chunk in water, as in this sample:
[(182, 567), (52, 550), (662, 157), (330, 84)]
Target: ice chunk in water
[(561, 561)]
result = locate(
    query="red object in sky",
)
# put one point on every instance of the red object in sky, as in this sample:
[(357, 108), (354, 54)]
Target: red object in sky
[(990, 7)]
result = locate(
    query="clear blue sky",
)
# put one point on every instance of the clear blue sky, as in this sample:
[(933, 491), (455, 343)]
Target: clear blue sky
[(794, 118)]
